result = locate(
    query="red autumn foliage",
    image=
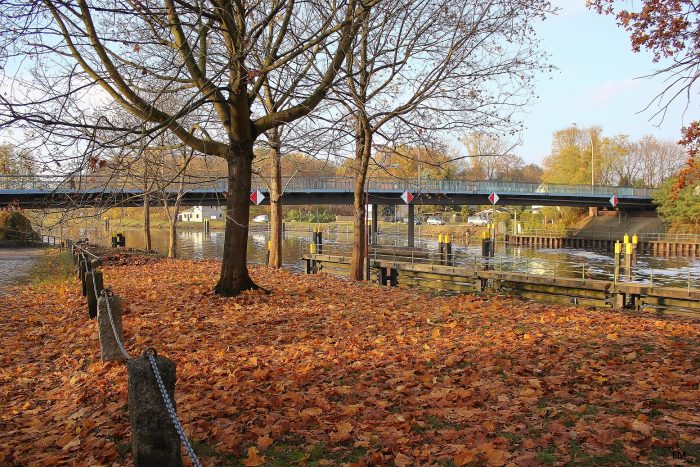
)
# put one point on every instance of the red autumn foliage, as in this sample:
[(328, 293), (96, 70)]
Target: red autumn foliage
[(375, 376)]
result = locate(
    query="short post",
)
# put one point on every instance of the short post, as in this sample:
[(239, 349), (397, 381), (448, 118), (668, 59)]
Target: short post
[(616, 271), (320, 241), (628, 260), (205, 224), (154, 440), (635, 241), (269, 246), (486, 247), (441, 248), (83, 266), (312, 251), (93, 283), (109, 346), (448, 250)]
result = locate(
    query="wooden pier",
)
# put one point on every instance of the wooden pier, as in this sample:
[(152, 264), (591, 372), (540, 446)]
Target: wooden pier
[(659, 247), (389, 271)]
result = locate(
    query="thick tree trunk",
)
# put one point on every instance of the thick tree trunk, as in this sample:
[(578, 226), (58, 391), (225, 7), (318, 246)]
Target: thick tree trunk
[(234, 272), (275, 202), (147, 221)]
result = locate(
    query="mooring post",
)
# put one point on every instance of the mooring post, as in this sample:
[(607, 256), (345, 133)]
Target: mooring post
[(319, 249), (448, 250), (267, 258), (635, 242), (312, 251), (109, 343), (94, 286), (486, 247), (616, 270), (628, 260), (441, 249), (154, 440)]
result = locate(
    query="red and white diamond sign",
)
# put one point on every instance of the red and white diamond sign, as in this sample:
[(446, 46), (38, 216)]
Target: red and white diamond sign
[(407, 197), (614, 201), (493, 197), (257, 197)]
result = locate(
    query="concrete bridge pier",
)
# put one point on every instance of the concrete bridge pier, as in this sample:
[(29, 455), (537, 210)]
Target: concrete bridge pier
[(375, 224), (411, 225)]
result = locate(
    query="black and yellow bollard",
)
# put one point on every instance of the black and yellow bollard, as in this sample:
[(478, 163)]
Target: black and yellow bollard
[(449, 260), (485, 247)]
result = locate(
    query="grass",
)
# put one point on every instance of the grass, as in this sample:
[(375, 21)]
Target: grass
[(50, 268)]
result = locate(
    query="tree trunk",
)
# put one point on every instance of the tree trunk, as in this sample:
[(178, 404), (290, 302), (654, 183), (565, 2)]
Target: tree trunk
[(234, 272), (275, 202), (147, 221), (359, 232), (172, 237)]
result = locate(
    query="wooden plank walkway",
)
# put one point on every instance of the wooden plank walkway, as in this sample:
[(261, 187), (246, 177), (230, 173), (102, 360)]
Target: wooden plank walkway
[(564, 290)]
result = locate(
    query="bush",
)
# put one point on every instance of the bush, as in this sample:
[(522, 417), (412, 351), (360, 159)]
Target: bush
[(321, 216), (14, 225)]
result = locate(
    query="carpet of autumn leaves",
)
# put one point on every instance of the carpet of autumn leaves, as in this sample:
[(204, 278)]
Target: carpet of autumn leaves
[(325, 372)]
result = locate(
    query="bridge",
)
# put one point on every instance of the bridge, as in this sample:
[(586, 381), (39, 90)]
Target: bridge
[(85, 190)]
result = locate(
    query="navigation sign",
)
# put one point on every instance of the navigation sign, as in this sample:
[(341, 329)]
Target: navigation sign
[(257, 197), (493, 197), (614, 201), (407, 197)]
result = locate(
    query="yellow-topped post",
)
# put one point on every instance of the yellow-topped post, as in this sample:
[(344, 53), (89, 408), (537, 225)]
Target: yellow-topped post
[(626, 239), (635, 239)]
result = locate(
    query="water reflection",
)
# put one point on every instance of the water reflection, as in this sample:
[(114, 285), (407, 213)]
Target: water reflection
[(196, 244)]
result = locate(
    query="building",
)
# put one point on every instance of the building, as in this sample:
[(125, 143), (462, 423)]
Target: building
[(199, 213)]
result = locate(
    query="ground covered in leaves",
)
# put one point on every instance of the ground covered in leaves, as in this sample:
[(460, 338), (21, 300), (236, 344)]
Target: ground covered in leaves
[(322, 371)]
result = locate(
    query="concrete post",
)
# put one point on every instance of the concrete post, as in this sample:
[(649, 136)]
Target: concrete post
[(154, 440), (375, 223), (93, 280), (108, 344), (411, 225)]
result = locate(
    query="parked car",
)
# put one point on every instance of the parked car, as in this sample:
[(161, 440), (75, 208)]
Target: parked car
[(416, 221), (477, 220), (435, 221), (261, 219)]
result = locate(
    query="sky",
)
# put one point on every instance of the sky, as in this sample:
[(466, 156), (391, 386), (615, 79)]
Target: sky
[(598, 82)]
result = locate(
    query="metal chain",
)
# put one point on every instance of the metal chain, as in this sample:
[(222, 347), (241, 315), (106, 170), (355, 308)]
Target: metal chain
[(150, 354), (105, 295), (171, 411)]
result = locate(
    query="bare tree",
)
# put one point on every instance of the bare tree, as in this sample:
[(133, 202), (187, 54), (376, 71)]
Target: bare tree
[(419, 67), (74, 58)]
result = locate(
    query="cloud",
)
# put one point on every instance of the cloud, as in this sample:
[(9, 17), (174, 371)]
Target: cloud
[(608, 91)]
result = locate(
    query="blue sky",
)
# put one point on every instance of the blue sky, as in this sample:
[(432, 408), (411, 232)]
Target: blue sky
[(595, 83)]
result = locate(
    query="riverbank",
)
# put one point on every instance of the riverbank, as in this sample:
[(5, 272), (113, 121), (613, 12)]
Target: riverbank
[(321, 370)]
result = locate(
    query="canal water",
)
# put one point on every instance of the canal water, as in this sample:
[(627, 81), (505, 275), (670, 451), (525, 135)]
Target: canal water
[(195, 244)]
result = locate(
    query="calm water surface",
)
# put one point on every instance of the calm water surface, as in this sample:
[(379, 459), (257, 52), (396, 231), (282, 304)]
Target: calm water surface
[(196, 244)]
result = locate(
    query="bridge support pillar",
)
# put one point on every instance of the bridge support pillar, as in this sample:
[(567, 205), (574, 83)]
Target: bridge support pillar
[(375, 223), (411, 225)]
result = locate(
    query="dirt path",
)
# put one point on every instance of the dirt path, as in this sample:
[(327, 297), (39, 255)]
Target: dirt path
[(15, 263)]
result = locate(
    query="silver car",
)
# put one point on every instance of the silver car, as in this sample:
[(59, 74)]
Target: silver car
[(477, 220)]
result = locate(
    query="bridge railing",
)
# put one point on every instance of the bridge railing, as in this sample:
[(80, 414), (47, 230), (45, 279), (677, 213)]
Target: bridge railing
[(84, 182)]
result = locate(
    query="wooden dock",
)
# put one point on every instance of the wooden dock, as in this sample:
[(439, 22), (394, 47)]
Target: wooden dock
[(387, 270), (659, 247)]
